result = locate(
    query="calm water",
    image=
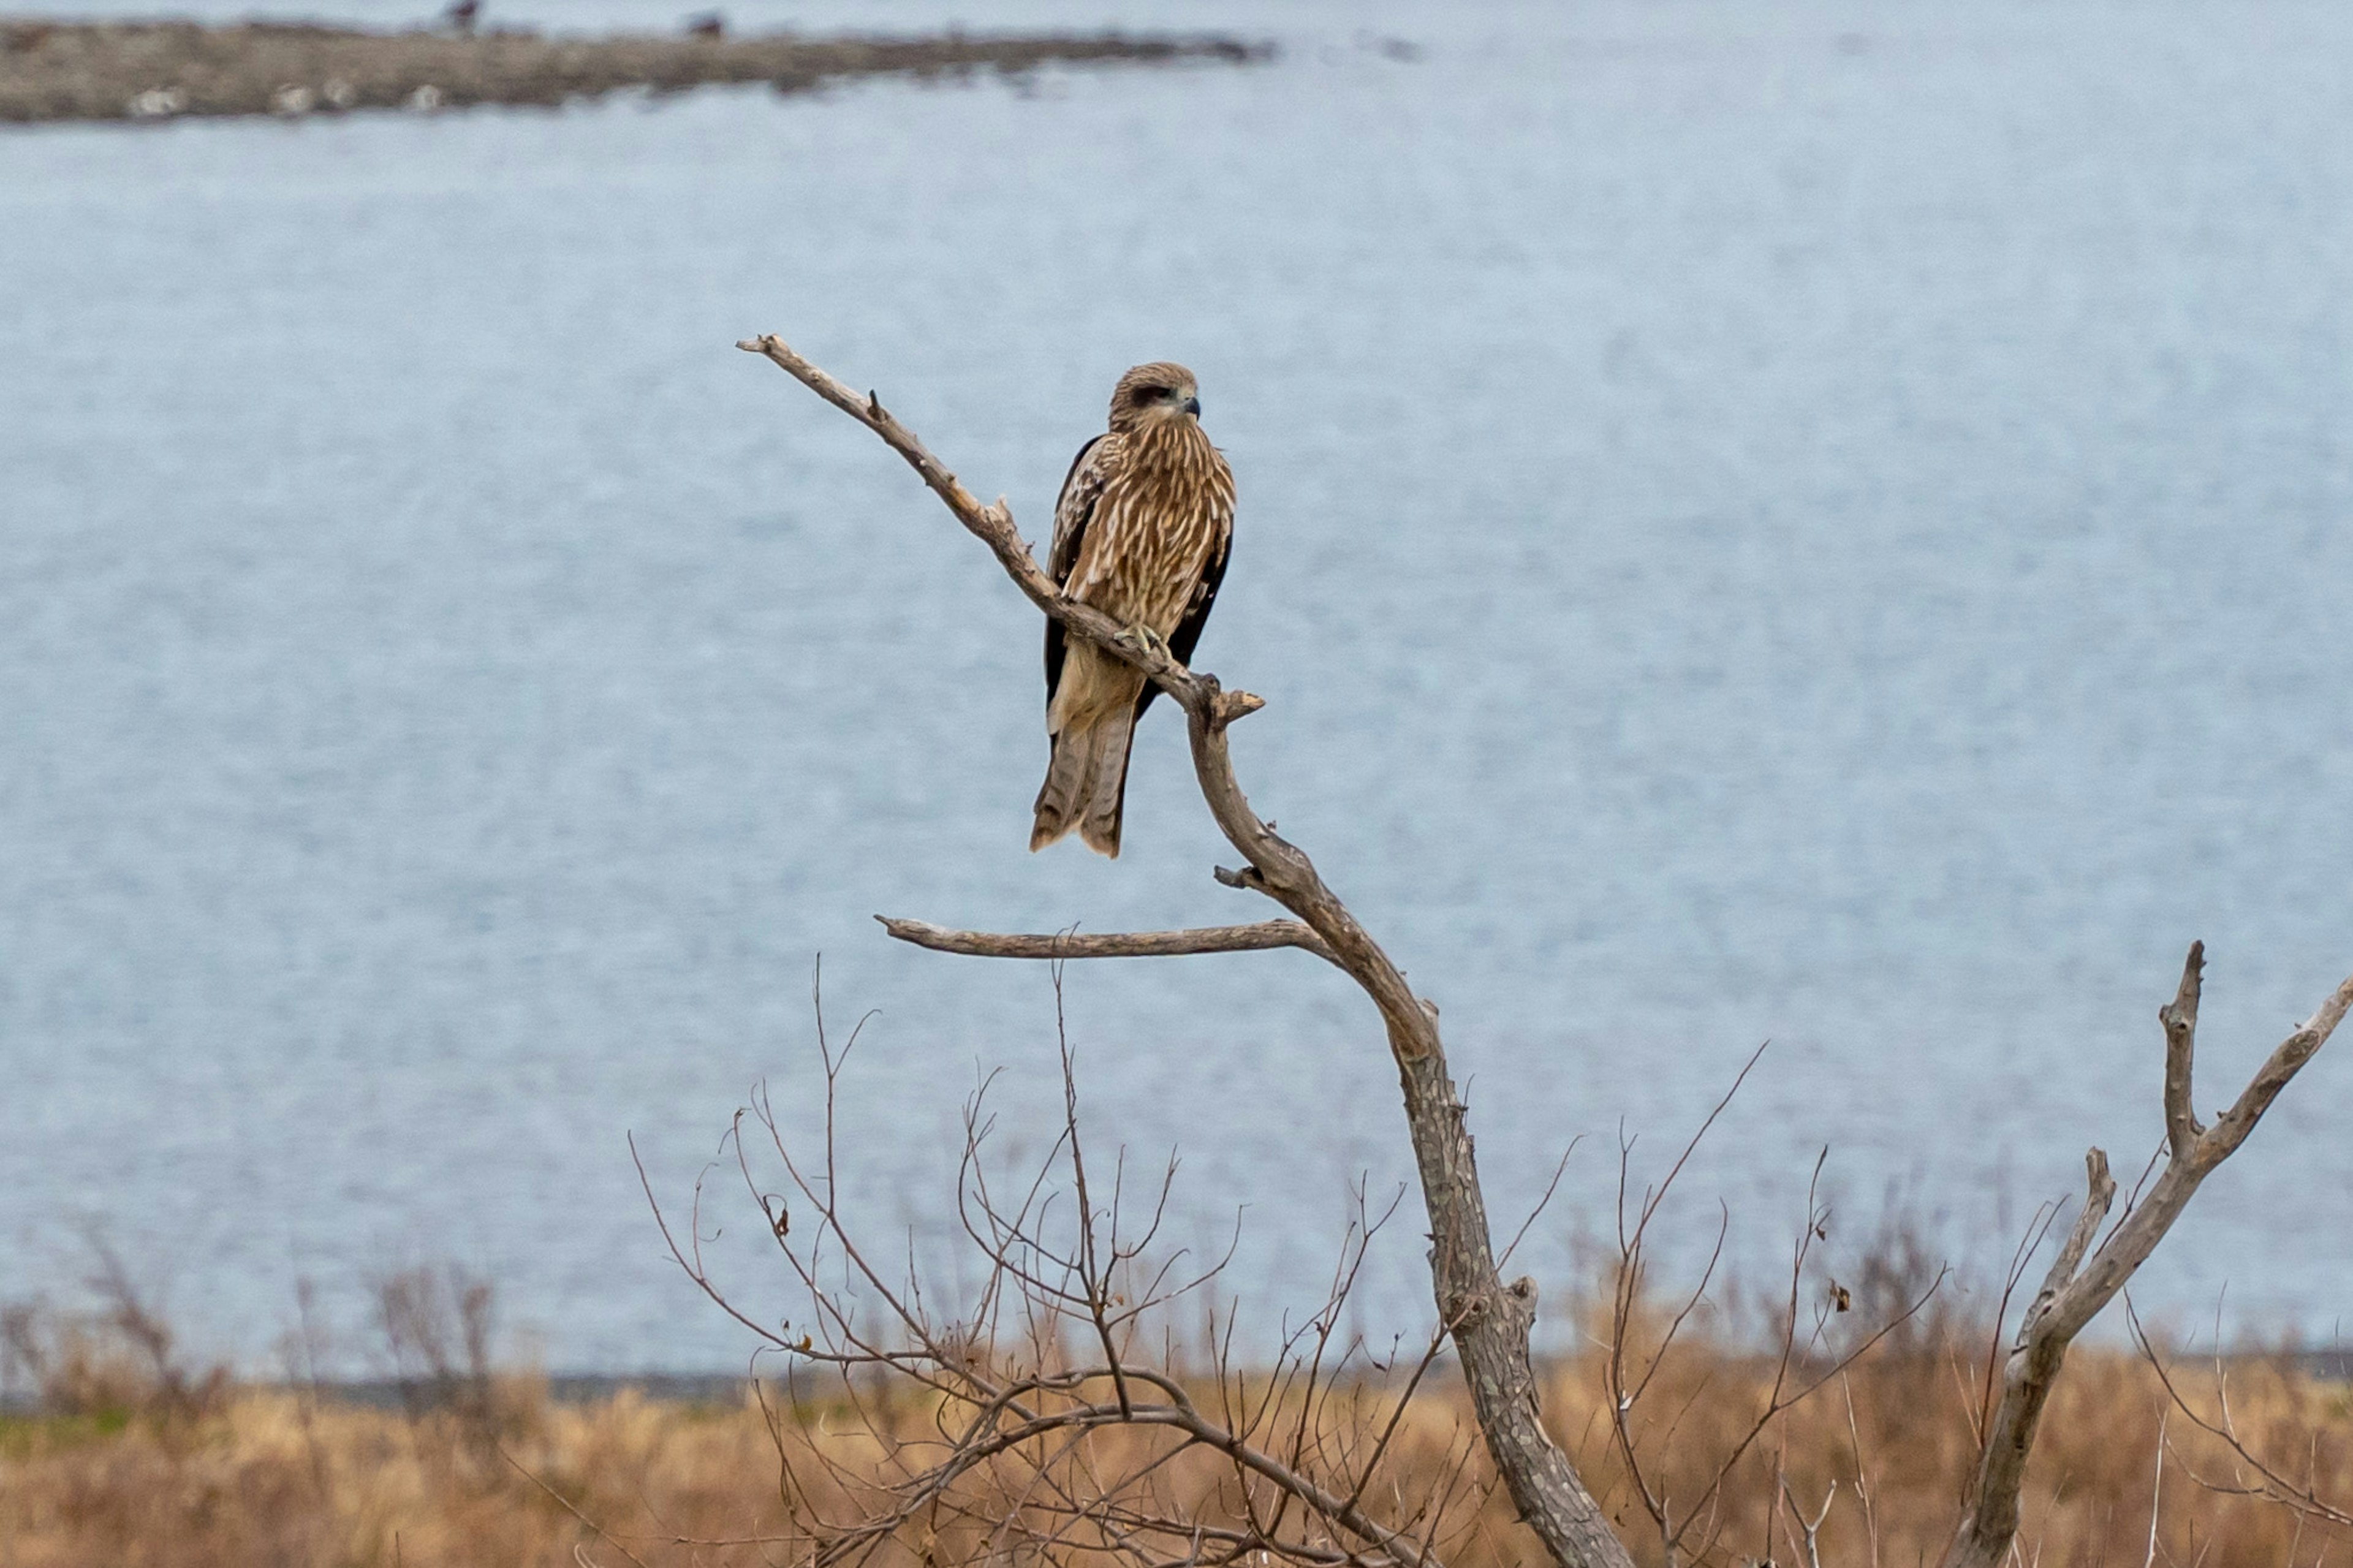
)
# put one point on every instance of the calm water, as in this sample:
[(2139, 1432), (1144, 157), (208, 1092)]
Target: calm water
[(1820, 523)]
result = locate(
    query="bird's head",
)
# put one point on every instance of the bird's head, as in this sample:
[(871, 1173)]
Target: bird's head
[(1152, 392)]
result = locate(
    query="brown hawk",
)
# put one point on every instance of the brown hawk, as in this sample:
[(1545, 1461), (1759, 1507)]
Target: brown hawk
[(1140, 532)]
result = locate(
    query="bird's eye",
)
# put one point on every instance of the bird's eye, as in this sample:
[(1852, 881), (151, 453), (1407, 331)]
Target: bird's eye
[(1150, 393)]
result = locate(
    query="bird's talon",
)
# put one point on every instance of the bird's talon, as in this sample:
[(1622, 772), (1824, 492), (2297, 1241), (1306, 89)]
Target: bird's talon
[(1144, 639)]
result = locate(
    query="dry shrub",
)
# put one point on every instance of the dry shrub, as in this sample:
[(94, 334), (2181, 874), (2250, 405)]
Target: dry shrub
[(116, 1359), (439, 1324)]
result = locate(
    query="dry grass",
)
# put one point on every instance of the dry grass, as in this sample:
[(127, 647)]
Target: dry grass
[(1897, 1436), (135, 1455), (260, 1477)]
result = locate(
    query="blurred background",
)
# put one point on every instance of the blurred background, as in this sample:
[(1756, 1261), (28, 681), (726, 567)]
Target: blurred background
[(1822, 523)]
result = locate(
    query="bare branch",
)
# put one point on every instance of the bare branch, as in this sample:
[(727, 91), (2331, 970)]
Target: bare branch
[(567, 1505), (1255, 937), (1809, 1550), (2077, 1288), (2268, 1485), (1092, 1274), (2280, 1067), (2180, 1017), (2099, 1193), (1864, 1485)]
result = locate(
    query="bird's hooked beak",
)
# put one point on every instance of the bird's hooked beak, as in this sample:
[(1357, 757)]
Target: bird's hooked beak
[(1193, 407)]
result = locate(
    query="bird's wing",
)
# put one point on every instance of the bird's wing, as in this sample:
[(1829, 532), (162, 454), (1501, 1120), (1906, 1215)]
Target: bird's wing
[(1073, 510), (1187, 634)]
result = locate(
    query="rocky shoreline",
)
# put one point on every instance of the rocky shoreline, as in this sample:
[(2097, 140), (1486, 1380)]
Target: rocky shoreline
[(163, 71)]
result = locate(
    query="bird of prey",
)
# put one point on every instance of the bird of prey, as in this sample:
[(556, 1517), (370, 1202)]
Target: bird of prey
[(1140, 532)]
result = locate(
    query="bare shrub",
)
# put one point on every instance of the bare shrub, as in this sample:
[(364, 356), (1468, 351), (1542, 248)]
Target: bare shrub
[(1046, 1411), (114, 1359), (439, 1324), (1679, 1454)]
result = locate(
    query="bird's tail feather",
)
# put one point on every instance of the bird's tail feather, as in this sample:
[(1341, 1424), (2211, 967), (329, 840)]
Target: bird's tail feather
[(1065, 787), (1086, 784), (1099, 829)]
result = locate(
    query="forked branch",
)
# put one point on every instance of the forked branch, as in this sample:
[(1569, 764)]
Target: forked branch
[(2077, 1289), (1490, 1321)]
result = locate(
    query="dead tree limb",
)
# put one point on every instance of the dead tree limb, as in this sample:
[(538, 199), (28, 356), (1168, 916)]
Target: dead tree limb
[(1255, 937), (1489, 1321), (2077, 1287)]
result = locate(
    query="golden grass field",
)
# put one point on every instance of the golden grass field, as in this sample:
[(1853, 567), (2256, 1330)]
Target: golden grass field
[(213, 1473)]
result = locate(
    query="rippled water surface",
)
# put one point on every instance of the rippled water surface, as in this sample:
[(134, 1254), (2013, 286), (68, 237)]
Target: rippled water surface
[(1825, 523)]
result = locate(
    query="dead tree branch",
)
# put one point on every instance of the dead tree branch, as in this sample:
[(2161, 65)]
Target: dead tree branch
[(2078, 1287), (1255, 937), (1489, 1321)]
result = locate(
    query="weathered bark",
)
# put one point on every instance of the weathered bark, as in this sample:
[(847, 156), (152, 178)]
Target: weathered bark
[(2074, 1290), (1488, 1321), (1258, 938)]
